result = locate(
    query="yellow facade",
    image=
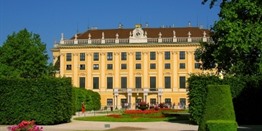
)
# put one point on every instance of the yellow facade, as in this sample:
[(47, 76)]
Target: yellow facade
[(128, 72)]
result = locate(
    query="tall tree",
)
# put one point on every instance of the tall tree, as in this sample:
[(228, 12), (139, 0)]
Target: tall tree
[(24, 55), (237, 40)]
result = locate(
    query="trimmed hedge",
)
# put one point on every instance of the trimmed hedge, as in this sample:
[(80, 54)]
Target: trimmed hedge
[(198, 91), (197, 94), (47, 100), (221, 125), (89, 97), (218, 106)]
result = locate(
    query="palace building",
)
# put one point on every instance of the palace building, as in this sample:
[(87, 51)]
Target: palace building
[(129, 65)]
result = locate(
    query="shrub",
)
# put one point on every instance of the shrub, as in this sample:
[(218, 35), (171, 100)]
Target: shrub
[(89, 97), (197, 94), (47, 101), (218, 106), (221, 125)]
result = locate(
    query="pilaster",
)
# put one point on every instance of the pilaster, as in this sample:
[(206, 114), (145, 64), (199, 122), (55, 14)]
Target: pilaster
[(175, 71)]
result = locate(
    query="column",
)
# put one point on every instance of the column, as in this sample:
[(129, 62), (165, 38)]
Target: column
[(62, 64), (175, 71), (75, 70), (159, 99), (145, 70), (131, 70), (89, 71), (129, 98), (116, 70), (160, 69), (145, 95), (103, 71), (115, 98), (116, 101)]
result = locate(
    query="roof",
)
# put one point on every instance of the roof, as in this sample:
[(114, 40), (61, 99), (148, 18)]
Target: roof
[(151, 32)]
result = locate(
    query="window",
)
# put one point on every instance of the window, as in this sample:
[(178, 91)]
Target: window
[(167, 65), (138, 55), (123, 55), (109, 102), (82, 56), (138, 82), (182, 55), (138, 66), (182, 66), (152, 66), (197, 65), (109, 56), (167, 55), (182, 103), (168, 101), (167, 82), (152, 55), (82, 81), (109, 66), (109, 82), (96, 66), (82, 67), (68, 67), (152, 101), (68, 56), (153, 83), (95, 82), (123, 82), (182, 82), (123, 66), (96, 56)]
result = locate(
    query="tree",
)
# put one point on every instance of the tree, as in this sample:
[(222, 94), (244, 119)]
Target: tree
[(237, 40), (23, 55)]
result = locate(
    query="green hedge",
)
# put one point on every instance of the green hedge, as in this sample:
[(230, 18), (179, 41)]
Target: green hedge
[(221, 125), (218, 106), (89, 97), (197, 94), (198, 89), (47, 101)]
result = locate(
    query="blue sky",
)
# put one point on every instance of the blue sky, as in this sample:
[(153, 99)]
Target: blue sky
[(50, 18)]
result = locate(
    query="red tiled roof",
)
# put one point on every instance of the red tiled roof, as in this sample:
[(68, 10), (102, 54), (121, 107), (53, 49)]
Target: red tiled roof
[(151, 32)]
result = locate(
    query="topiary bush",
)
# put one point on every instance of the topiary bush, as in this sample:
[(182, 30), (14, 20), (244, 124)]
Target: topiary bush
[(47, 100), (218, 105)]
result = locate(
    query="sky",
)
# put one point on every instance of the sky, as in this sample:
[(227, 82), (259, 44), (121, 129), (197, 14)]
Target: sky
[(50, 18)]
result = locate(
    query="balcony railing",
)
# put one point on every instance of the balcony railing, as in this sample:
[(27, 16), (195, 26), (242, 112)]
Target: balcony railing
[(139, 90), (126, 40)]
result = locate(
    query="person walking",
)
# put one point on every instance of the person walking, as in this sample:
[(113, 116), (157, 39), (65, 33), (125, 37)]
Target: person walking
[(83, 108)]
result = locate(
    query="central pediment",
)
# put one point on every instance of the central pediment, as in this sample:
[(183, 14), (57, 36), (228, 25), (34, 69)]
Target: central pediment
[(138, 35)]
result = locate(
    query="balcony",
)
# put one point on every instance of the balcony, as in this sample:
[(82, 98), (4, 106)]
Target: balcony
[(139, 90)]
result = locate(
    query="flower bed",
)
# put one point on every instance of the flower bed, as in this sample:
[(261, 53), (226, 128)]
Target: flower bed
[(140, 111), (114, 115), (25, 126)]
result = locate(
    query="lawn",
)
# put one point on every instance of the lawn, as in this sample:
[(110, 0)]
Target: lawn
[(140, 116)]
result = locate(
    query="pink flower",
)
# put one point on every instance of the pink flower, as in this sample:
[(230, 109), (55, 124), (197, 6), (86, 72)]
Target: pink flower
[(25, 126)]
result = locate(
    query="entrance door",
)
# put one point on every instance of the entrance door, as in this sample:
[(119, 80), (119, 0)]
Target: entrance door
[(138, 100), (124, 103)]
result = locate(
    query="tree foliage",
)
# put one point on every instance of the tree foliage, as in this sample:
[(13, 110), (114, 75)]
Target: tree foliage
[(23, 55), (237, 40)]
